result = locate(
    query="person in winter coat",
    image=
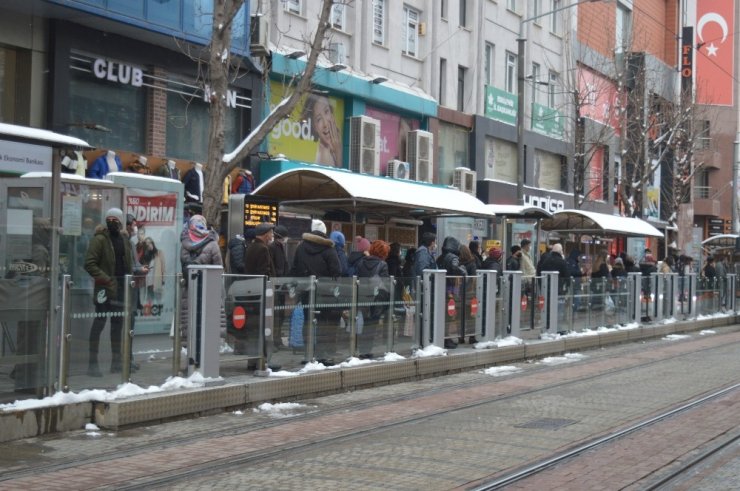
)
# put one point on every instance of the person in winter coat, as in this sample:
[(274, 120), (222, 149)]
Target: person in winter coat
[(493, 261), (361, 245), (257, 259), (648, 265), (543, 257), (199, 245), (338, 238), (709, 271), (575, 272), (277, 251), (555, 262), (424, 257), (450, 258), (108, 260), (467, 261), (372, 268), (474, 247), (394, 260), (525, 260), (599, 280), (236, 248), (316, 256), (513, 263)]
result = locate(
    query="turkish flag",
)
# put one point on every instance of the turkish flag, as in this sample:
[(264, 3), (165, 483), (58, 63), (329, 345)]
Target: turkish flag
[(715, 38)]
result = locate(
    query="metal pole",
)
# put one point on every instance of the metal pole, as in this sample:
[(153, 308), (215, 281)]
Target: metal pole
[(176, 336), (353, 318), (312, 322), (66, 338), (521, 164), (128, 333), (390, 313)]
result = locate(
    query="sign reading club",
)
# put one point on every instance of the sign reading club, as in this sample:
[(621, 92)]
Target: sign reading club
[(118, 72)]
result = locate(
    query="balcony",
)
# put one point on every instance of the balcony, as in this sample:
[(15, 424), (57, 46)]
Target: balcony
[(705, 202)]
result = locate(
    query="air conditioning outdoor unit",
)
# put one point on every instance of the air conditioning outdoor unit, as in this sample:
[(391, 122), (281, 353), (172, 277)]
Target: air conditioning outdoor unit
[(259, 35), (337, 53), (399, 169), (465, 180), (419, 151), (364, 145)]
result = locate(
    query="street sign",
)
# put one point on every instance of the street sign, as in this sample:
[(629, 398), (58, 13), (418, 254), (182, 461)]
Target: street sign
[(239, 317)]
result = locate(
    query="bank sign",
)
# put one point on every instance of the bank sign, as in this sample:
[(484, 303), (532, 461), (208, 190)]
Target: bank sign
[(19, 158), (500, 105)]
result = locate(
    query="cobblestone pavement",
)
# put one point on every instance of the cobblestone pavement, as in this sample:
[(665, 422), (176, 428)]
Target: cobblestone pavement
[(441, 433)]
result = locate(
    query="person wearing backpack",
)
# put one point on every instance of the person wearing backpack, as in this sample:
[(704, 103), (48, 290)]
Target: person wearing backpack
[(373, 267)]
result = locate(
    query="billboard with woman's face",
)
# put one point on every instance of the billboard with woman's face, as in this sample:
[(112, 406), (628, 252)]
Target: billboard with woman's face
[(393, 135), (312, 132)]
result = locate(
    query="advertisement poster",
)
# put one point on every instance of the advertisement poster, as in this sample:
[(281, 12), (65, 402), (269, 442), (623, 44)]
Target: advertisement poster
[(393, 135), (313, 131), (157, 246), (652, 206)]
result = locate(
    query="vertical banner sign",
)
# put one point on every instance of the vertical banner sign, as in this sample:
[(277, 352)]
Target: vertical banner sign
[(715, 37), (687, 60)]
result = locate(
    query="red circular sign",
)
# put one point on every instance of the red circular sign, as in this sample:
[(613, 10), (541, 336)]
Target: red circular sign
[(451, 310), (541, 302), (474, 306), (239, 317), (524, 303)]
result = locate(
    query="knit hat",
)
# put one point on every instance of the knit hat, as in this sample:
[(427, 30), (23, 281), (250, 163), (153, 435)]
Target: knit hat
[(338, 238), (361, 244), (114, 213), (318, 226), (495, 253), (558, 247), (197, 228)]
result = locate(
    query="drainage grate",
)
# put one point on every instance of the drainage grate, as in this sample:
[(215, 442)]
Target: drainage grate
[(547, 423)]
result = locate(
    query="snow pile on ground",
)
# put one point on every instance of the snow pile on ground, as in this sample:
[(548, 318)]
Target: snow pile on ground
[(502, 370), (676, 337), (281, 409), (566, 358), (499, 343), (707, 331), (122, 391), (429, 351)]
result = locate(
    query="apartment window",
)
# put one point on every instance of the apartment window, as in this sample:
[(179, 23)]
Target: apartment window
[(510, 73), (488, 65), (552, 89), (536, 9), (443, 9), (293, 6), (555, 17), (337, 16), (410, 31), (512, 5), (622, 28), (463, 13), (705, 137), (461, 70), (605, 177), (535, 80), (442, 80), (379, 22)]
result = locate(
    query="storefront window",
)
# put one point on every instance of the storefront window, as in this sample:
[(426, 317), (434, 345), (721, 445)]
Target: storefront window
[(14, 85), (500, 160), (106, 114), (550, 172), (187, 126), (453, 151)]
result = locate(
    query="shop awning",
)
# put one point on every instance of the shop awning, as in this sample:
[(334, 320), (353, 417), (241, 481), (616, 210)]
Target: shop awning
[(722, 241), (318, 188), (591, 222), (518, 211)]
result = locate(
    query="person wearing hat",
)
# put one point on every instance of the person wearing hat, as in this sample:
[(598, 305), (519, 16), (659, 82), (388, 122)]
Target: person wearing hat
[(338, 238), (316, 255), (278, 253), (493, 261), (257, 259), (360, 247), (513, 263), (108, 261)]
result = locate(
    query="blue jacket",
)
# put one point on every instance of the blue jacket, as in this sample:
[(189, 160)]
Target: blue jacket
[(423, 260), (99, 168)]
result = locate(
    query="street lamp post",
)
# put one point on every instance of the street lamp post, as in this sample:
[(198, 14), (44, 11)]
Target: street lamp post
[(521, 40)]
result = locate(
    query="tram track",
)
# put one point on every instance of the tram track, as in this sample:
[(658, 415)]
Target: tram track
[(287, 449)]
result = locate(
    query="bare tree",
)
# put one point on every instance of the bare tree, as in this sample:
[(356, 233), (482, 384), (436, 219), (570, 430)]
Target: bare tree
[(220, 70)]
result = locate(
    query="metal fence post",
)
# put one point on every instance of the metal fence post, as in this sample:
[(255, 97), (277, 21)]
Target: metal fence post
[(730, 301), (656, 287), (486, 289), (390, 314), (433, 325), (128, 333), (550, 293), (66, 339), (692, 295), (635, 292), (353, 317), (176, 325), (312, 322), (514, 290)]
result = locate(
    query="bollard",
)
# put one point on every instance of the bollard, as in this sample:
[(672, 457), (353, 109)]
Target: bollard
[(433, 291), (550, 292), (486, 290), (634, 294), (513, 291), (204, 310)]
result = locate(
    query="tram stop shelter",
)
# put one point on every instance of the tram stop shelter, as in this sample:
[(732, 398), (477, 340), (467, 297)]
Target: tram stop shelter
[(594, 223), (513, 213)]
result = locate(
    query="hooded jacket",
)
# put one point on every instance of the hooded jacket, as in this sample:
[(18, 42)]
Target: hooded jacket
[(100, 263), (555, 262), (450, 258), (206, 251), (316, 256)]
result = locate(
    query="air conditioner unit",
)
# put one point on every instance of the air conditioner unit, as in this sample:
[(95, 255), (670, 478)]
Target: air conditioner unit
[(259, 36), (419, 150), (364, 145), (337, 53), (399, 169), (465, 180)]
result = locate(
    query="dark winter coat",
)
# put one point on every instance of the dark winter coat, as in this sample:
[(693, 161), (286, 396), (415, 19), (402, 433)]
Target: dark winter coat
[(343, 261), (450, 260), (555, 262), (492, 264), (257, 259), (279, 258), (572, 263), (394, 266), (100, 263), (423, 259), (542, 260), (316, 256), (370, 266), (352, 261), (647, 268), (512, 264), (191, 183), (471, 268), (237, 247)]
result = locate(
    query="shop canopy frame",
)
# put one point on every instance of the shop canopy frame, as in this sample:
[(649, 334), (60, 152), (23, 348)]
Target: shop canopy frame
[(721, 241), (308, 190), (519, 212), (594, 223)]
